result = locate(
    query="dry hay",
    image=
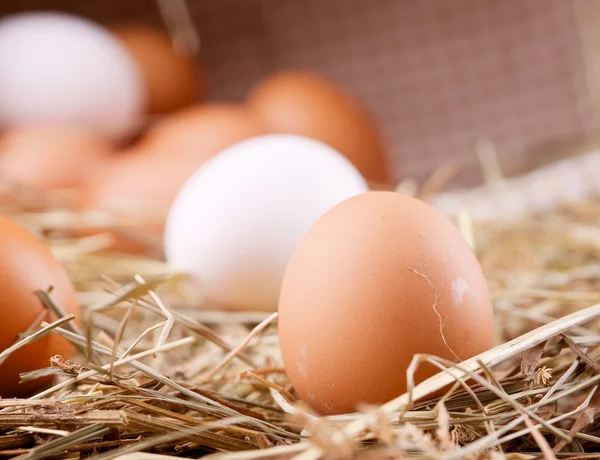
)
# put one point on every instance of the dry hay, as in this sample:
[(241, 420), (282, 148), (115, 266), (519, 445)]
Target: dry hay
[(156, 375)]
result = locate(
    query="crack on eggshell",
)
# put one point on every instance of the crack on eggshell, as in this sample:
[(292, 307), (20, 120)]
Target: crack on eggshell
[(434, 306), (459, 288)]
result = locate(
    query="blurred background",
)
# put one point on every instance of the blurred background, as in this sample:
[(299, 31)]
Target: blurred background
[(438, 74)]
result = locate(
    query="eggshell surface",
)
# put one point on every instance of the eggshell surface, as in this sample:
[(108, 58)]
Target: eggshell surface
[(308, 104), (64, 69), (173, 80), (50, 157), (27, 265), (236, 222), (379, 278)]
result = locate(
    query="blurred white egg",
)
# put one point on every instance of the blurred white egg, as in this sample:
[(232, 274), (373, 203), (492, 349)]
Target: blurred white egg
[(237, 220), (62, 69)]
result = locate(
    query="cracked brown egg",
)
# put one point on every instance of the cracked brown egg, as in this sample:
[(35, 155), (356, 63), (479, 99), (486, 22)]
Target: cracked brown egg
[(379, 278)]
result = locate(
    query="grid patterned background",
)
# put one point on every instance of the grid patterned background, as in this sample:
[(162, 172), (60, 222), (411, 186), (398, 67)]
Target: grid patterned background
[(438, 74)]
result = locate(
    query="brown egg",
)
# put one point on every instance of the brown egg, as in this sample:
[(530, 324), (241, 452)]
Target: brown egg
[(148, 177), (307, 104), (201, 131), (27, 265), (51, 157), (173, 79), (380, 277)]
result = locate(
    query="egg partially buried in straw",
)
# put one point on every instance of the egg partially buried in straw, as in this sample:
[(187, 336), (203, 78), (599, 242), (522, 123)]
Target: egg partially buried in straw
[(236, 221), (145, 180), (27, 265), (51, 157), (173, 80), (308, 104), (379, 278)]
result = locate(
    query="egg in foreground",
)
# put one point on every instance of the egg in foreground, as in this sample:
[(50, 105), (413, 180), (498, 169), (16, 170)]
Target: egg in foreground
[(236, 222), (27, 265), (380, 277)]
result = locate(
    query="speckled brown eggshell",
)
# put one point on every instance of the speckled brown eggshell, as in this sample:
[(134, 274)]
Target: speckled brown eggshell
[(27, 265), (380, 277)]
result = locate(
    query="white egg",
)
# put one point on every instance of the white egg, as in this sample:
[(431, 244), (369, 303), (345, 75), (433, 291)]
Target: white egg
[(237, 220), (62, 69)]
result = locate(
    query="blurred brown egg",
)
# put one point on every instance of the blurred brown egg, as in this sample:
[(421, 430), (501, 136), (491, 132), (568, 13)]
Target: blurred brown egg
[(201, 131), (27, 265), (307, 104), (173, 79), (147, 178), (51, 157)]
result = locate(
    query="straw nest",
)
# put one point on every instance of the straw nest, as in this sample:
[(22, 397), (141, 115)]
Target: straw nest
[(156, 375)]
